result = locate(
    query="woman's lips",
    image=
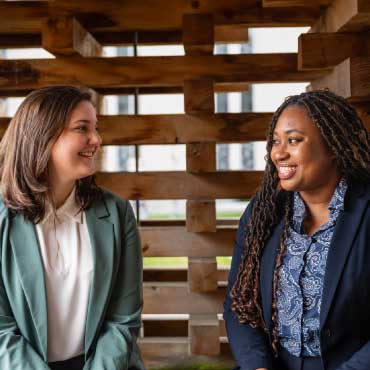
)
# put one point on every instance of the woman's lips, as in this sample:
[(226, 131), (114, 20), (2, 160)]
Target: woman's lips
[(286, 172)]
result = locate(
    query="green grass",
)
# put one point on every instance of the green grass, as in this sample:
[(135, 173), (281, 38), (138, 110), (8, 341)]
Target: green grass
[(178, 261)]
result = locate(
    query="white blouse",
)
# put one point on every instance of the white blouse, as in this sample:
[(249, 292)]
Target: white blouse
[(68, 266)]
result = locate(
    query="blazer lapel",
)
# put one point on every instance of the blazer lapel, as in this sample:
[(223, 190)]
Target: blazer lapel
[(23, 240), (267, 266), (101, 232), (345, 230)]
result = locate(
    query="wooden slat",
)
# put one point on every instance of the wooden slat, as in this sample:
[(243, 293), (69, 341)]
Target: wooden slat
[(223, 34), (172, 352), (104, 73), (177, 274), (289, 3), (182, 185), (326, 50), (179, 128), (198, 34), (201, 215), (66, 36), (176, 222), (113, 15), (172, 328), (345, 16), (202, 274), (180, 243), (219, 88), (182, 128), (350, 79), (179, 300)]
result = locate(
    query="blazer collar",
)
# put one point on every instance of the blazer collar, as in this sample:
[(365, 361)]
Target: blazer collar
[(23, 239), (346, 228), (103, 245)]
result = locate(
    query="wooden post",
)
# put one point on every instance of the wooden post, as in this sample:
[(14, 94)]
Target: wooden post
[(198, 39)]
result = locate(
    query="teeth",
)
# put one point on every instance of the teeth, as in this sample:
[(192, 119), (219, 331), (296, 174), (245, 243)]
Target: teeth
[(286, 170), (87, 154)]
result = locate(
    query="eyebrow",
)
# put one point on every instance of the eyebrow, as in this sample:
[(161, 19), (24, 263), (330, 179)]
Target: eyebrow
[(83, 121), (292, 131)]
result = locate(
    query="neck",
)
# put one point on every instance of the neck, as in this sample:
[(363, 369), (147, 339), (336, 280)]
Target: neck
[(317, 200), (60, 192)]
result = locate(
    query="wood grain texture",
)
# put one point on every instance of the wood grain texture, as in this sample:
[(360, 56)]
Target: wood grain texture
[(326, 50), (113, 15), (179, 300), (344, 16), (104, 73), (66, 36), (223, 34), (290, 3), (179, 128), (180, 243), (350, 79), (182, 185), (202, 274)]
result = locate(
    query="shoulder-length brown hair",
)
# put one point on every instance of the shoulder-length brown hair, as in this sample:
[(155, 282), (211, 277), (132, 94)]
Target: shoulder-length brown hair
[(26, 148)]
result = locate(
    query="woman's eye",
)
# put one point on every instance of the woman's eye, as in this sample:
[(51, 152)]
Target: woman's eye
[(80, 128), (293, 140), (275, 142)]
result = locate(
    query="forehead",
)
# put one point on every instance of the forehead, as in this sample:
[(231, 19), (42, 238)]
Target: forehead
[(295, 118), (84, 110)]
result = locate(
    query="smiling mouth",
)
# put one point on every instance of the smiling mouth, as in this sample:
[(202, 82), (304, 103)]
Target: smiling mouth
[(87, 154), (286, 172)]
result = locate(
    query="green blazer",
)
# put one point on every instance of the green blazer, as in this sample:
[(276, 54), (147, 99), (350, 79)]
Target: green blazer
[(115, 303)]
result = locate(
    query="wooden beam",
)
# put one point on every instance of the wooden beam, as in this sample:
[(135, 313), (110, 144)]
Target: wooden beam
[(179, 128), (204, 335), (202, 274), (198, 34), (231, 34), (179, 300), (290, 3), (172, 352), (180, 243), (177, 274), (182, 185), (172, 327), (223, 35), (110, 73), (66, 36), (113, 15), (200, 215), (344, 16), (326, 50), (350, 79), (184, 128)]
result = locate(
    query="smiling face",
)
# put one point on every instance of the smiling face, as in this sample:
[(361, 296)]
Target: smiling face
[(300, 155), (73, 154)]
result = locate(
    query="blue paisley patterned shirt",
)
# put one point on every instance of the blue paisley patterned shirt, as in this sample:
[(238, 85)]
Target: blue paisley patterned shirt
[(301, 278)]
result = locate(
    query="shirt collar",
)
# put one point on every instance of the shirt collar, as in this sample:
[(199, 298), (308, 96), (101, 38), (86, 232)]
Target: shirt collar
[(69, 209)]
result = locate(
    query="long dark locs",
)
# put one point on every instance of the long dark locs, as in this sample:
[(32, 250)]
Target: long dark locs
[(349, 142)]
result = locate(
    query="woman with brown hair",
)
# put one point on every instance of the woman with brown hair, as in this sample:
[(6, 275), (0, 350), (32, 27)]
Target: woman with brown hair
[(70, 255), (298, 294)]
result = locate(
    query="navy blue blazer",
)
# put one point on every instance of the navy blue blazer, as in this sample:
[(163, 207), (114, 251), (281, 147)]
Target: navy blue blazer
[(345, 308)]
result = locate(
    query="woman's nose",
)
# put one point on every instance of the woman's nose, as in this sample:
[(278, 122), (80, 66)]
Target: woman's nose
[(280, 153), (95, 138)]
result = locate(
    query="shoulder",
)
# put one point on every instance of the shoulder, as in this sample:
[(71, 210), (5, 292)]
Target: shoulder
[(114, 204), (111, 198)]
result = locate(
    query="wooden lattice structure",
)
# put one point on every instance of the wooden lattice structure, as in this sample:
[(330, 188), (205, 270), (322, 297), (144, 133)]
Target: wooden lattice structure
[(334, 54)]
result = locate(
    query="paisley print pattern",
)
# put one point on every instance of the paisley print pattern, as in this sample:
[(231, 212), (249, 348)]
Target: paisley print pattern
[(301, 278)]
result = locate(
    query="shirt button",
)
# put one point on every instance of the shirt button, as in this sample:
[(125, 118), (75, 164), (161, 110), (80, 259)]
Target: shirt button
[(327, 333)]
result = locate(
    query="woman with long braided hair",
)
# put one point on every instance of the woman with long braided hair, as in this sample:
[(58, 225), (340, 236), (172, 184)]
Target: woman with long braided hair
[(298, 294)]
